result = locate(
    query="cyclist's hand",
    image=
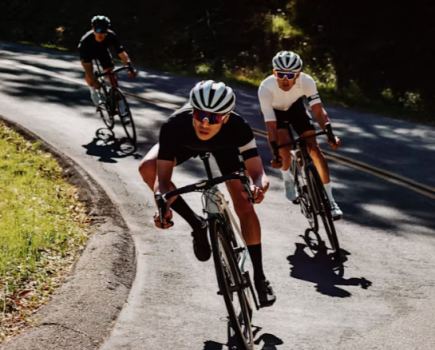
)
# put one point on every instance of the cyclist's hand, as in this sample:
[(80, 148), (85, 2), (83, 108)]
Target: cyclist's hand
[(166, 219), (276, 162), (257, 193), (337, 144), (132, 73)]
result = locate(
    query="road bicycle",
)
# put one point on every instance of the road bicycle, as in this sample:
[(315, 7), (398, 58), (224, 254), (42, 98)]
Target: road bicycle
[(115, 102), (229, 251), (312, 196)]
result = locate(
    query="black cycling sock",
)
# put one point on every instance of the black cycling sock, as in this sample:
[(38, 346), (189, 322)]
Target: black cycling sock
[(182, 209), (257, 262)]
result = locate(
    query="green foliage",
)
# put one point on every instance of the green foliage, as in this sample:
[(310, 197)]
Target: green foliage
[(372, 45), (42, 227)]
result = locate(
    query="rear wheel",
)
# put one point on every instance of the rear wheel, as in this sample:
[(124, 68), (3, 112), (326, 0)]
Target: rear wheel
[(324, 208), (231, 285), (129, 127)]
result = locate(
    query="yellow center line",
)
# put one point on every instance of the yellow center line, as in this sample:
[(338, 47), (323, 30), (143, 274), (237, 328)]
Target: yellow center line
[(370, 169)]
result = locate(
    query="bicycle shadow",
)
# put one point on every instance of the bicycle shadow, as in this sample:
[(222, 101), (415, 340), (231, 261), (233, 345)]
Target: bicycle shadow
[(323, 271), (109, 148), (268, 340)]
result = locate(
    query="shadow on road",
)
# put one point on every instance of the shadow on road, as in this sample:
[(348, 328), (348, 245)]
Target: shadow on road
[(106, 146), (323, 271)]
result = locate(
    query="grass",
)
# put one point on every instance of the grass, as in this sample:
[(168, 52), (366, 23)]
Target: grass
[(43, 228)]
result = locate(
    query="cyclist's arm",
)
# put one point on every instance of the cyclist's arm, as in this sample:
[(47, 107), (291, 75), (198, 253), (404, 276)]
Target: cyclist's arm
[(164, 175), (265, 97), (125, 58), (320, 114), (254, 166)]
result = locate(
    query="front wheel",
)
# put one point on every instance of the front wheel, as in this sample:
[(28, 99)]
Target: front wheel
[(231, 286), (106, 115), (304, 198), (124, 112), (323, 207)]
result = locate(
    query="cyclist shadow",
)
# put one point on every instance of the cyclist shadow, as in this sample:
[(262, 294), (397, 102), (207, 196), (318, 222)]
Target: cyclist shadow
[(322, 270), (106, 146)]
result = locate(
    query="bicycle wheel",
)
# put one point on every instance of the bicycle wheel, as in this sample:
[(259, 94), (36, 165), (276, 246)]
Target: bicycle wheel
[(129, 128), (304, 199), (105, 111), (107, 117), (231, 286), (324, 208)]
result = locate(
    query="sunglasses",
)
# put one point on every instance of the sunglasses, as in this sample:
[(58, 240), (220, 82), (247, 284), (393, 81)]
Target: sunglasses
[(213, 118), (101, 30), (289, 76)]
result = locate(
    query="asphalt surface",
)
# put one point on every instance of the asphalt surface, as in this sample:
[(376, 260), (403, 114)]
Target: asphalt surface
[(383, 300)]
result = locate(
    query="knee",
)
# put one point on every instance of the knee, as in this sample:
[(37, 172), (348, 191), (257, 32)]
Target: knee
[(148, 170), (285, 152), (315, 151), (243, 208)]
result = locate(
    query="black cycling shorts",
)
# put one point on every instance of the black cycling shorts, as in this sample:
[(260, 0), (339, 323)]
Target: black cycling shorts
[(228, 160), (297, 116)]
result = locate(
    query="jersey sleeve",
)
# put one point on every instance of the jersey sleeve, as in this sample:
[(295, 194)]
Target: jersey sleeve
[(115, 43), (84, 51), (266, 98), (247, 145), (310, 90), (167, 146)]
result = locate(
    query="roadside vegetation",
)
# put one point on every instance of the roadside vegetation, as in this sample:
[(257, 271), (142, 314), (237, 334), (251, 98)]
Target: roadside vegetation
[(374, 61), (43, 229)]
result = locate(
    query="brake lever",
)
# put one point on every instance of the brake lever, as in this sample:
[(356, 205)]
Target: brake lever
[(330, 133), (161, 206), (245, 181)]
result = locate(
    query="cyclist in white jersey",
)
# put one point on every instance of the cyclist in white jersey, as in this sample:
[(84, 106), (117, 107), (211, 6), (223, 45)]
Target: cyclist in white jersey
[(281, 101)]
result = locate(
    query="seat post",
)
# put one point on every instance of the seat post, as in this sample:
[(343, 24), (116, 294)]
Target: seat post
[(205, 158)]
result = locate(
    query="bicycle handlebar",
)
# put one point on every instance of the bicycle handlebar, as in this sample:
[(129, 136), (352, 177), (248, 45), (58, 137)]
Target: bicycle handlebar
[(202, 186), (112, 71), (328, 131)]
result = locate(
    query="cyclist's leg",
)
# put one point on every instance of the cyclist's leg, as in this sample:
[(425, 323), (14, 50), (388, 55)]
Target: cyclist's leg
[(148, 171), (303, 125), (229, 162), (283, 118)]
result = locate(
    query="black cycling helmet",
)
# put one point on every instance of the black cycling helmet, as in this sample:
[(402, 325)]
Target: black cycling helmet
[(100, 24)]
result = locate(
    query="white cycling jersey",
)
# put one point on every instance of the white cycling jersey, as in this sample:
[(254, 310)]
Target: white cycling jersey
[(272, 97)]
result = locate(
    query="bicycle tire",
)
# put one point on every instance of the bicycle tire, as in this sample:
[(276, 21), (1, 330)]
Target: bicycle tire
[(324, 208), (105, 109), (130, 129), (240, 321), (304, 199), (106, 116)]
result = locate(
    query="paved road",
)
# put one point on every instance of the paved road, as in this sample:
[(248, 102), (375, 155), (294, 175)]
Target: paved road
[(384, 300)]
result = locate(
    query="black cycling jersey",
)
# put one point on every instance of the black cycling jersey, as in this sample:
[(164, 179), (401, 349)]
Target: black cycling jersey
[(90, 49), (178, 133)]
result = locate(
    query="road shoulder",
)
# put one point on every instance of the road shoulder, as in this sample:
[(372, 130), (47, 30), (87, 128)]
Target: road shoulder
[(82, 312)]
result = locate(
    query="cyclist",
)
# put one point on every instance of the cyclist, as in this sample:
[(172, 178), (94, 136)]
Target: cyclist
[(96, 45), (281, 101), (208, 124)]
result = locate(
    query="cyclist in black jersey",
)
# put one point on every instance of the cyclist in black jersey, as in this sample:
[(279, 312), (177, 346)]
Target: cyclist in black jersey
[(96, 45), (208, 124)]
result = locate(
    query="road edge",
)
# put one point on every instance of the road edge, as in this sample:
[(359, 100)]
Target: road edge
[(82, 311)]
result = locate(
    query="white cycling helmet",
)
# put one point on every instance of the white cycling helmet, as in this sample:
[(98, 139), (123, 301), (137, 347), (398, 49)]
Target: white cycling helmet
[(287, 60), (213, 97)]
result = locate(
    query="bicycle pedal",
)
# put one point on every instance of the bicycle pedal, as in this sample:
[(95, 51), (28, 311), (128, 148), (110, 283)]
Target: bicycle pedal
[(296, 201)]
